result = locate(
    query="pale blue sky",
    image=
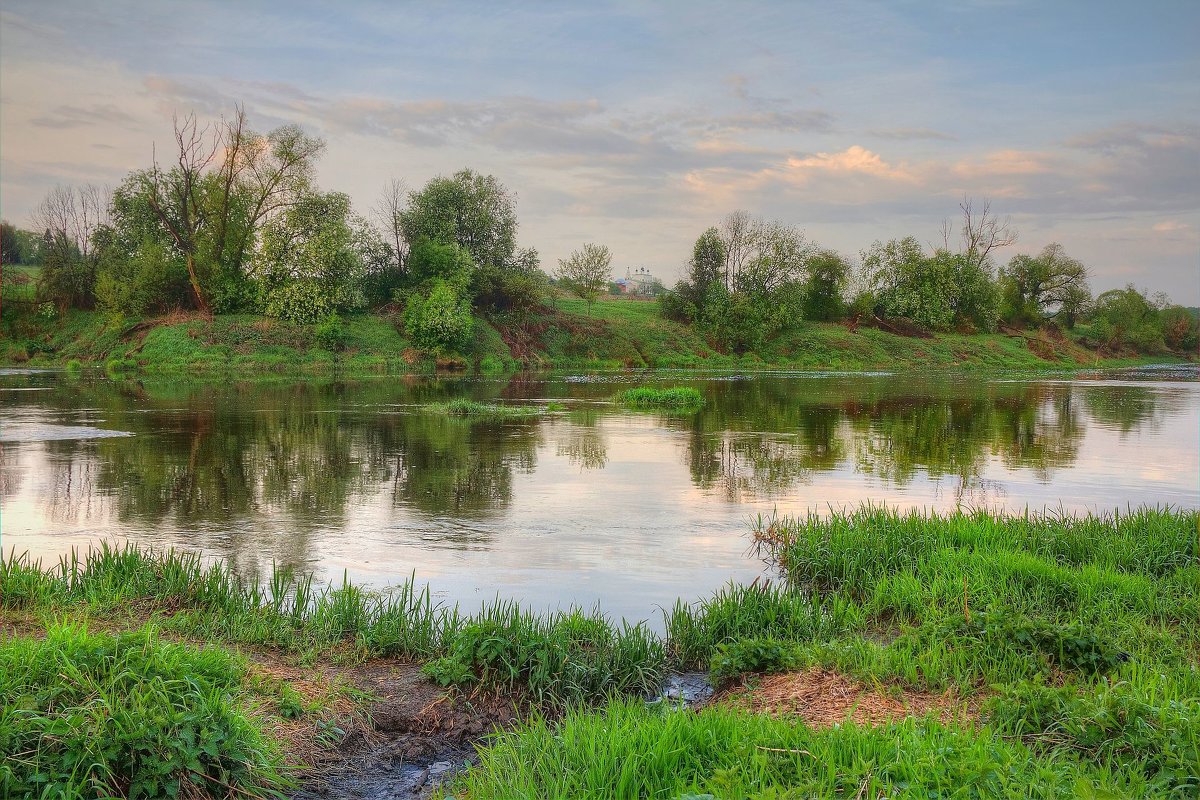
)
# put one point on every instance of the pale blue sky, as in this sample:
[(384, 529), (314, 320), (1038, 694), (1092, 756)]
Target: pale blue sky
[(638, 125)]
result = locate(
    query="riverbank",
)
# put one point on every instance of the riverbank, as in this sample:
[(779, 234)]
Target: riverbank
[(1018, 655), (616, 334)]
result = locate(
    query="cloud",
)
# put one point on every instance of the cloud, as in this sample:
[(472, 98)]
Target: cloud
[(910, 134), (66, 116)]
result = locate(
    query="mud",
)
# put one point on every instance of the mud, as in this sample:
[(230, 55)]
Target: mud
[(418, 737)]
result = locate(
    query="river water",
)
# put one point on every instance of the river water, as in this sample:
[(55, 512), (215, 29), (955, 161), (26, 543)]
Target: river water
[(591, 505)]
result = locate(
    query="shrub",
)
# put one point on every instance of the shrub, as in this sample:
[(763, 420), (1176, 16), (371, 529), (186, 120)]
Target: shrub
[(752, 655), (330, 333), (439, 319)]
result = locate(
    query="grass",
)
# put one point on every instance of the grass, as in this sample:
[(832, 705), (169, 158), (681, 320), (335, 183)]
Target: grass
[(679, 398), (97, 715), (1076, 638), (473, 409), (629, 751), (569, 657), (621, 333)]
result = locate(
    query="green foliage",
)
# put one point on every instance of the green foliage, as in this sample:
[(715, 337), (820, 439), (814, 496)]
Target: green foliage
[(828, 275), (1051, 285), (430, 260), (330, 333), (678, 397), (1180, 329), (934, 291), (586, 272), (462, 407), (752, 655), (99, 715), (471, 210), (440, 318), (307, 264), (301, 301)]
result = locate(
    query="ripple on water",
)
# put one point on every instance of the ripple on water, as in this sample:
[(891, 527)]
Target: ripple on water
[(43, 432)]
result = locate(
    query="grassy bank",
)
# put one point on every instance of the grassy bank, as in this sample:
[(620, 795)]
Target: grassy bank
[(1014, 656), (617, 334)]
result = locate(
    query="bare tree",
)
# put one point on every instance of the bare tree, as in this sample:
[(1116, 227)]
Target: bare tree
[(387, 212), (69, 217), (981, 232), (73, 214), (738, 233)]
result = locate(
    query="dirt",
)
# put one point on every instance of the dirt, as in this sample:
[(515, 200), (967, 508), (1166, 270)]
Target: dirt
[(415, 737), (823, 698)]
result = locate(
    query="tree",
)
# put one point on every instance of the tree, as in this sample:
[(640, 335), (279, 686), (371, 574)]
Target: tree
[(439, 317), (70, 217), (933, 290), (828, 272), (10, 245), (586, 272), (1127, 318), (307, 265), (980, 232), (140, 269), (471, 210), (1050, 285), (226, 181)]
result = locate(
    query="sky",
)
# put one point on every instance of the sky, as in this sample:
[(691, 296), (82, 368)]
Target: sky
[(638, 125)]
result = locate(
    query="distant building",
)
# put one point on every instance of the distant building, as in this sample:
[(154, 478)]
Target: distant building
[(639, 281)]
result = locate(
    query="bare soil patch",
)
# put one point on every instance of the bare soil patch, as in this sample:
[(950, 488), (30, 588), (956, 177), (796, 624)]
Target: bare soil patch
[(823, 698)]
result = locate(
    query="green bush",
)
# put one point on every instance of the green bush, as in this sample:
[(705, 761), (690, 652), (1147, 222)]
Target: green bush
[(330, 333), (439, 319)]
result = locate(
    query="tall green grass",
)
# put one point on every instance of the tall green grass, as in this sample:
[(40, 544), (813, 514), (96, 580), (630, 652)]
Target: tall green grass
[(462, 407), (678, 398), (627, 750), (559, 659), (96, 715)]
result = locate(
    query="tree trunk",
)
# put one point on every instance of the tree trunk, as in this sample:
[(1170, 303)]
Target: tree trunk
[(200, 301)]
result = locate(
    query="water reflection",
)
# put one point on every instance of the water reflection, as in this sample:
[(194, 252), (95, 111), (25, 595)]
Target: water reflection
[(297, 471)]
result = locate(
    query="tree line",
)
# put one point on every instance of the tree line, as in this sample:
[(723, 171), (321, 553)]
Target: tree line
[(749, 278), (232, 221)]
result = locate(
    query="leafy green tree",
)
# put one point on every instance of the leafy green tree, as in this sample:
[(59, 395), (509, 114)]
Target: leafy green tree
[(1050, 285), (934, 291), (141, 271), (307, 266), (827, 277), (705, 270), (10, 245), (432, 260), (1179, 329), (471, 210), (477, 213), (586, 272), (1126, 318)]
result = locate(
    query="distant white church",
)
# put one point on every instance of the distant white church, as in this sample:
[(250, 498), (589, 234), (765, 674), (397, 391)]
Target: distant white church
[(638, 281)]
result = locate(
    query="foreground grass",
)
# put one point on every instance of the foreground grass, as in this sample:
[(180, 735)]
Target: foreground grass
[(1076, 639), (97, 715)]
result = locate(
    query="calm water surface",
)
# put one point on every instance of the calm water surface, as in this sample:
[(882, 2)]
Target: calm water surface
[(591, 505)]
